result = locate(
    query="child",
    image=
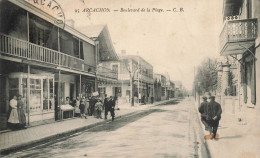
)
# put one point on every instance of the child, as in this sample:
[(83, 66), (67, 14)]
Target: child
[(98, 107)]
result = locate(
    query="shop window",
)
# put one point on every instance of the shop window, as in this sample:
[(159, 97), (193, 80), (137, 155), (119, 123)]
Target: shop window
[(51, 94), (35, 92)]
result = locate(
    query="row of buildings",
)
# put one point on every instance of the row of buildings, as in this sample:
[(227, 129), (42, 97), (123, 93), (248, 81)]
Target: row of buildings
[(239, 72), (46, 60)]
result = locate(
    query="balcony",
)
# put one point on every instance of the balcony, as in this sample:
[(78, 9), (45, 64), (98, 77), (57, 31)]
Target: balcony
[(237, 35), (14, 47), (106, 74)]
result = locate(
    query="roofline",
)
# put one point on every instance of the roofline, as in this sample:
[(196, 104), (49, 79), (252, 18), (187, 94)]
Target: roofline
[(110, 41)]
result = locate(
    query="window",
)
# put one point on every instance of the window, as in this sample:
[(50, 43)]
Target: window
[(163, 91), (43, 33), (115, 68), (35, 98)]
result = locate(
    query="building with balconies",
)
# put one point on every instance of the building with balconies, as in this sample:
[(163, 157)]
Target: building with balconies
[(43, 60), (240, 40)]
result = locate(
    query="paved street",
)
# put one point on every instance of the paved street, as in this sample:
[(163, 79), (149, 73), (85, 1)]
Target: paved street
[(170, 130)]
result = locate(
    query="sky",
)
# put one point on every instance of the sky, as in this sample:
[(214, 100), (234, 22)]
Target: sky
[(173, 42)]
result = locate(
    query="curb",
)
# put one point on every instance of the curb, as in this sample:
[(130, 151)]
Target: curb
[(49, 139), (207, 145)]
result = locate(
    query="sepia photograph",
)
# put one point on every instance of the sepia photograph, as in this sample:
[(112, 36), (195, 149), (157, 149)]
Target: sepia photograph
[(130, 78)]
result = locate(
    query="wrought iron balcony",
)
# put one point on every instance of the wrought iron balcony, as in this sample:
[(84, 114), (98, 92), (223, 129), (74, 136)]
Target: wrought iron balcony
[(105, 73), (237, 36), (11, 46)]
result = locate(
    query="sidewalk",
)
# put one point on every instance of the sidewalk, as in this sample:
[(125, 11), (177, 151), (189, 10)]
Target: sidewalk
[(13, 140), (236, 140)]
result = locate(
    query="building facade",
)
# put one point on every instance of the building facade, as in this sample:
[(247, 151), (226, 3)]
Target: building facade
[(135, 79), (240, 40), (107, 63), (43, 60)]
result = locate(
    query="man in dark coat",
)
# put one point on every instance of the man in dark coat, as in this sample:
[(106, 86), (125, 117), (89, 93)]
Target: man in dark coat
[(214, 113), (109, 106), (92, 103), (203, 109), (106, 106)]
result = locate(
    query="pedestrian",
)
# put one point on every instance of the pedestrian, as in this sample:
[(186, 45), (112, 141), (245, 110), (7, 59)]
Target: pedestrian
[(112, 107), (214, 113), (20, 111), (82, 108), (13, 118), (92, 103), (106, 105), (73, 102), (87, 106), (203, 109), (98, 107), (77, 110), (67, 101)]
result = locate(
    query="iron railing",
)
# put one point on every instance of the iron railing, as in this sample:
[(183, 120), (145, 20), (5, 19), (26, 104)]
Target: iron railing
[(238, 31), (24, 49)]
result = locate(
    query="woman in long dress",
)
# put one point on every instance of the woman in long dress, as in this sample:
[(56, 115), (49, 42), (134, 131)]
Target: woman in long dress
[(20, 110), (13, 118)]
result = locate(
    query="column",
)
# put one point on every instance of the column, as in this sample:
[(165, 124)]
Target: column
[(220, 73), (224, 82)]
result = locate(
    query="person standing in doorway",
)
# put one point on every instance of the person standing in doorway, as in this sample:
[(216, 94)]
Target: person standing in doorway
[(20, 111), (214, 113)]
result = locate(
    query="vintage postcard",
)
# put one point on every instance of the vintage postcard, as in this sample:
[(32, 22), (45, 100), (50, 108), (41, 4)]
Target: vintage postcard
[(130, 78)]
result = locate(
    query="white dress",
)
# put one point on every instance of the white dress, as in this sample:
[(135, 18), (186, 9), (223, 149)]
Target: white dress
[(13, 118)]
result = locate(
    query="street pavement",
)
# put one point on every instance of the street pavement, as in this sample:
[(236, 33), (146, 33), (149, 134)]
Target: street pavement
[(170, 130), (12, 141)]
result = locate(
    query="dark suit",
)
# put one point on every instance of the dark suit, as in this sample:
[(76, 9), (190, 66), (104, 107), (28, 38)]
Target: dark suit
[(203, 109), (214, 111), (109, 106)]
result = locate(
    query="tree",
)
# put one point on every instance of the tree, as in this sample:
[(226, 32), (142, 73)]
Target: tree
[(132, 69), (207, 76)]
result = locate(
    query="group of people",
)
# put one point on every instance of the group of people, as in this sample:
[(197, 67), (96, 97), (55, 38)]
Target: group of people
[(92, 106), (210, 115), (17, 119)]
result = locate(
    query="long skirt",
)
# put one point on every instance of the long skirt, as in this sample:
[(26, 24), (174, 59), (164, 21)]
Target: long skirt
[(21, 116), (13, 118)]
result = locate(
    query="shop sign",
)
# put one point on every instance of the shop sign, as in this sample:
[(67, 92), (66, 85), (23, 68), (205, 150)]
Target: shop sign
[(50, 7)]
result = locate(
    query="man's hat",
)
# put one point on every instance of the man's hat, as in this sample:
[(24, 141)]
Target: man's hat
[(204, 97), (212, 97)]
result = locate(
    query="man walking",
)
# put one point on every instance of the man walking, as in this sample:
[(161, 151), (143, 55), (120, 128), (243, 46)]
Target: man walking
[(203, 109), (214, 113)]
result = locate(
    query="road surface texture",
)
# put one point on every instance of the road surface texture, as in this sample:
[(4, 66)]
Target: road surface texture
[(169, 130)]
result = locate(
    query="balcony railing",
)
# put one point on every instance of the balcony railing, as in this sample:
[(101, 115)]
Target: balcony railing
[(24, 49), (237, 33), (106, 73)]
